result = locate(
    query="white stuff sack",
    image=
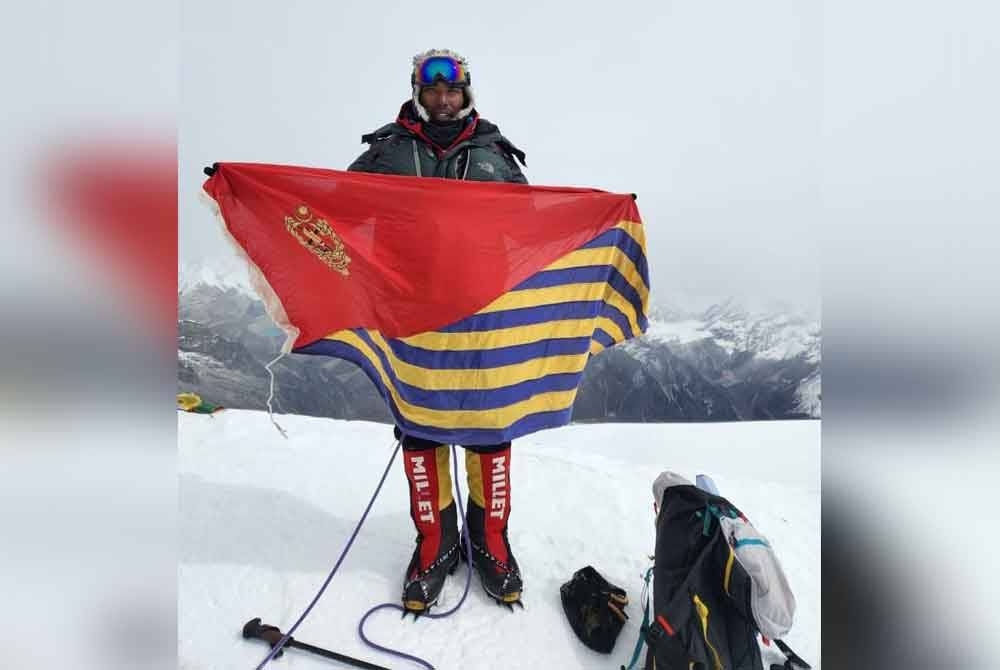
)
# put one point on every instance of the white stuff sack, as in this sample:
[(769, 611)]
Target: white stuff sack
[(772, 602)]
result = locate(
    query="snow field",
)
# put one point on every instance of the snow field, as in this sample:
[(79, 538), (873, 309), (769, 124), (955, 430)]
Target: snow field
[(263, 519)]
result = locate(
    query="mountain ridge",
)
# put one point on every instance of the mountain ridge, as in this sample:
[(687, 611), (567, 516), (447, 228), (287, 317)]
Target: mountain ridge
[(724, 363)]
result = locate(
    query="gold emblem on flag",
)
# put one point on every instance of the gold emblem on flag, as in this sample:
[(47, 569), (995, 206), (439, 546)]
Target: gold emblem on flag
[(317, 236)]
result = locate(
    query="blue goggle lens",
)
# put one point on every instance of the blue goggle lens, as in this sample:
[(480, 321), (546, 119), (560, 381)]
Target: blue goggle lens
[(440, 68)]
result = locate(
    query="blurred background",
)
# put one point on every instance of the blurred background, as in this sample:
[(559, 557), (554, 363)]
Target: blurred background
[(911, 202), (87, 426), (898, 163)]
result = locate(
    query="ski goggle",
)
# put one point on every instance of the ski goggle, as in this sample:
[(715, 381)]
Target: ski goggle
[(440, 68)]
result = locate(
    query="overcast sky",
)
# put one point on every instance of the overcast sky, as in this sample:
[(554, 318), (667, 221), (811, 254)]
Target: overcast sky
[(711, 115)]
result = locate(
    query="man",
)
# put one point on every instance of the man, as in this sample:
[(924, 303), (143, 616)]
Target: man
[(438, 133)]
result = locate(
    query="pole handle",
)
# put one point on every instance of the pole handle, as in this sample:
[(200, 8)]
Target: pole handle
[(255, 630)]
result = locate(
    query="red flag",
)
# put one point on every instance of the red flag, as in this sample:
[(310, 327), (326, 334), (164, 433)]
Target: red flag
[(402, 255)]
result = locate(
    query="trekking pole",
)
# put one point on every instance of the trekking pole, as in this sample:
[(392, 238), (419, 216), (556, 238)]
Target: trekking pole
[(276, 647), (254, 629), (793, 660)]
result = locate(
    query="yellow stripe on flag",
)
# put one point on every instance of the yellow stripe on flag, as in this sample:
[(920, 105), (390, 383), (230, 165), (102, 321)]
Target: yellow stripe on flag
[(478, 379), (499, 338), (600, 256), (554, 295), (486, 419), (612, 256)]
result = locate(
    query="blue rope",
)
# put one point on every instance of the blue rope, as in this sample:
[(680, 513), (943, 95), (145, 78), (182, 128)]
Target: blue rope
[(329, 578), (343, 554), (429, 615)]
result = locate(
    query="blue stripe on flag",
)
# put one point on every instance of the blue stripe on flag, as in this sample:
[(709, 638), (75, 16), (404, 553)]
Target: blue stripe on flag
[(580, 309), (473, 436), (470, 398), (616, 237), (601, 336), (474, 399), (487, 358), (466, 436), (590, 273), (490, 398)]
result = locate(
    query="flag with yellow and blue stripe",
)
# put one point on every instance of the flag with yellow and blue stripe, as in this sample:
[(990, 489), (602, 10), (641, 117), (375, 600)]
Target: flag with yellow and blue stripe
[(514, 366), (472, 306)]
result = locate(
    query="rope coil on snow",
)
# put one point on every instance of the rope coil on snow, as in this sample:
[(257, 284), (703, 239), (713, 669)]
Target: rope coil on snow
[(329, 578), (429, 615), (343, 554)]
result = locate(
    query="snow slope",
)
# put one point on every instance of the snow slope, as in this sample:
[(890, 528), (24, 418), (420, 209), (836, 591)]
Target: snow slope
[(263, 519)]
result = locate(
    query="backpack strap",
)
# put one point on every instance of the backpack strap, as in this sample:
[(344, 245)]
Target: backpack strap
[(662, 640), (645, 623), (507, 147), (379, 134), (663, 633)]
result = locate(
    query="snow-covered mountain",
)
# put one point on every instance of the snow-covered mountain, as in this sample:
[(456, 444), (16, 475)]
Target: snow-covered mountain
[(224, 273), (775, 332), (723, 363), (773, 335), (262, 519)]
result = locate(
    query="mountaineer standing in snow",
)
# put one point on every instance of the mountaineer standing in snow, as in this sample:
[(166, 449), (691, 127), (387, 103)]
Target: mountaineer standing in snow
[(439, 133)]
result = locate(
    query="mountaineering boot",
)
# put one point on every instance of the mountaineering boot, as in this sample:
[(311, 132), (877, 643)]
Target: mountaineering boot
[(432, 509), (489, 508)]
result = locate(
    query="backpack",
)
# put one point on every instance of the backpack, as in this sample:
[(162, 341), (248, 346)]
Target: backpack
[(717, 584)]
